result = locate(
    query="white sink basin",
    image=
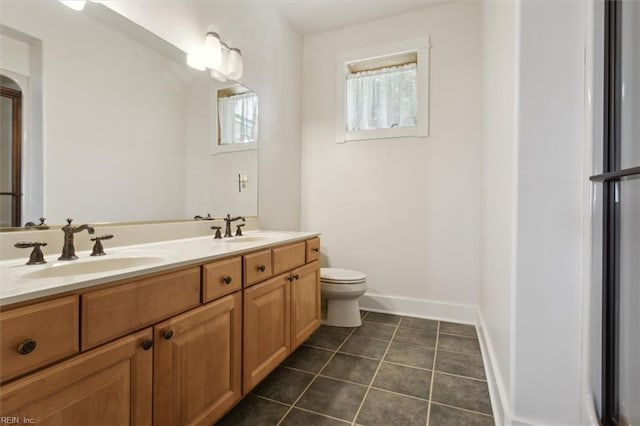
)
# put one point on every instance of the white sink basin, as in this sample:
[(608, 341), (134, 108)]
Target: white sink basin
[(91, 266)]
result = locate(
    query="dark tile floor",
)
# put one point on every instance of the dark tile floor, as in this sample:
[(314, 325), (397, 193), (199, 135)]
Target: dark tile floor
[(392, 370)]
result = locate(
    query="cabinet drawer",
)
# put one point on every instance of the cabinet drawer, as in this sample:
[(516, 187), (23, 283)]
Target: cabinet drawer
[(288, 257), (220, 278), (53, 326), (313, 249), (116, 311), (257, 267)]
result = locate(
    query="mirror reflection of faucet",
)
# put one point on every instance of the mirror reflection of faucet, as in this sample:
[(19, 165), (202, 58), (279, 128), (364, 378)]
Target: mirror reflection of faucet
[(40, 225), (207, 217)]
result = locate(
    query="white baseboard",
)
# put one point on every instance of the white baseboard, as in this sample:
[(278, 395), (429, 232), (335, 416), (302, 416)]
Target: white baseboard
[(419, 308), (502, 414), (499, 400)]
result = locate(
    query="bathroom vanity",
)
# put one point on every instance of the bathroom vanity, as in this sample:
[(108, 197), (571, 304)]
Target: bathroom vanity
[(176, 338)]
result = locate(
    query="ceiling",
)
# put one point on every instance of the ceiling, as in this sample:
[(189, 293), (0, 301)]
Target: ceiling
[(316, 16)]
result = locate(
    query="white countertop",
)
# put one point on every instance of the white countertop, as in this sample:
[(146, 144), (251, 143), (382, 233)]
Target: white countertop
[(20, 282)]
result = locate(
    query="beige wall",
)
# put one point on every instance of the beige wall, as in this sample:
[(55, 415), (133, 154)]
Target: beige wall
[(404, 211)]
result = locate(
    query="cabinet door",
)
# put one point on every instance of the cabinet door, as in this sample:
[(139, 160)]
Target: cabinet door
[(197, 363), (305, 303), (266, 329), (110, 385)]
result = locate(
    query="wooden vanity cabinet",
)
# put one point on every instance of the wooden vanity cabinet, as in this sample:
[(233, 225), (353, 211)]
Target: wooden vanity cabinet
[(305, 303), (38, 335), (266, 329), (221, 278), (257, 267), (110, 385), (122, 309), (280, 313), (197, 363), (174, 348)]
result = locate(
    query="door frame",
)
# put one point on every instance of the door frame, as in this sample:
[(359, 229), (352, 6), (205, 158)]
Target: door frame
[(16, 156)]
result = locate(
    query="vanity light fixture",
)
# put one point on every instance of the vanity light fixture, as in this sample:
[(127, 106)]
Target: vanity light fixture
[(212, 50), (235, 64), (74, 4), (224, 62)]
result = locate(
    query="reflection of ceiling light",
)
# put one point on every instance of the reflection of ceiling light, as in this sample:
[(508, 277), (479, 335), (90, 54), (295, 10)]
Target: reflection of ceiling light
[(234, 65), (212, 50), (224, 62), (74, 4), (196, 59)]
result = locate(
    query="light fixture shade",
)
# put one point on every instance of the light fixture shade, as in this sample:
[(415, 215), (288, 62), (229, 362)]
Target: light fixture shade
[(196, 59), (212, 50), (220, 72), (218, 75), (234, 66), (74, 4)]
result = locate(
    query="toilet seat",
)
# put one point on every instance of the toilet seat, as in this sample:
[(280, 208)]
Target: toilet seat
[(341, 276)]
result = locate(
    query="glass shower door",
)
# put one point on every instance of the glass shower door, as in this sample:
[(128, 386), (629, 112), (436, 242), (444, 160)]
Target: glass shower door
[(629, 217), (620, 180)]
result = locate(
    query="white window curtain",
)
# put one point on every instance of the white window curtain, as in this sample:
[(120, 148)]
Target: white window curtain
[(382, 99), (238, 117)]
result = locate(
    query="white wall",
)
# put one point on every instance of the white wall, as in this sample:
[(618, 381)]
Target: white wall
[(499, 173), (550, 212), (272, 53), (403, 211)]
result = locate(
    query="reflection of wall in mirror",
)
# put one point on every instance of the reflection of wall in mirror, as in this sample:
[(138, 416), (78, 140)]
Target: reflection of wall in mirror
[(115, 123), (219, 173), (20, 63)]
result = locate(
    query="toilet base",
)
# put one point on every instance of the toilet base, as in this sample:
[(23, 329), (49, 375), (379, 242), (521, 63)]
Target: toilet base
[(342, 313)]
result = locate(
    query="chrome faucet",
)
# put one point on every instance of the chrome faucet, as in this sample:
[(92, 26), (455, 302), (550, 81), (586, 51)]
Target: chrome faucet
[(68, 249), (228, 220)]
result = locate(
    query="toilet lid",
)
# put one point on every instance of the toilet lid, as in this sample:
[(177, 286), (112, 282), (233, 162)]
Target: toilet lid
[(341, 276)]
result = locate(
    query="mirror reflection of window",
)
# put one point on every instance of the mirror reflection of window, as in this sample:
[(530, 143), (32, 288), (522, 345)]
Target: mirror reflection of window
[(237, 116)]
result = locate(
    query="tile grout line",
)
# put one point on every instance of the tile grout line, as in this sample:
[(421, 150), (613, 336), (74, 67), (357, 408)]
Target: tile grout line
[(433, 373), (403, 343), (300, 408), (373, 378), (316, 376), (463, 409)]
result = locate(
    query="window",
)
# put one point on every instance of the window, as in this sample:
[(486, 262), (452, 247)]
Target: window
[(237, 119), (238, 116), (383, 92)]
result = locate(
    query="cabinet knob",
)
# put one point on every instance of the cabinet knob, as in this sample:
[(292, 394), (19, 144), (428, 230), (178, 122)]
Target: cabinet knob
[(315, 249), (147, 344), (26, 347), (261, 268), (167, 334), (295, 276), (227, 280)]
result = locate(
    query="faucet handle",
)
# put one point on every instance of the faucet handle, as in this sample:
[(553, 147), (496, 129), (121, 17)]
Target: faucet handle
[(239, 230), (36, 257), (218, 235), (69, 220), (98, 249)]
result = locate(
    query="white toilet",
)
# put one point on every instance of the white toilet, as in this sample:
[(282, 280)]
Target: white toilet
[(340, 290)]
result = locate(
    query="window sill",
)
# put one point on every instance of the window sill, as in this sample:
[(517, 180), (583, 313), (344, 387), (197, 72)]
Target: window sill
[(237, 147), (363, 135)]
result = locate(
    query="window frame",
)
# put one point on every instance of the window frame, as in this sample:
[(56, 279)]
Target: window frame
[(419, 45), (218, 148)]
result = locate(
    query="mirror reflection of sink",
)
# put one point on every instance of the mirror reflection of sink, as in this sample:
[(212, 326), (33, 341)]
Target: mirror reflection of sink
[(92, 266)]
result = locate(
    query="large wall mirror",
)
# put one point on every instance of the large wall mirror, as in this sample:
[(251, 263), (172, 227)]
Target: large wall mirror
[(115, 126)]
